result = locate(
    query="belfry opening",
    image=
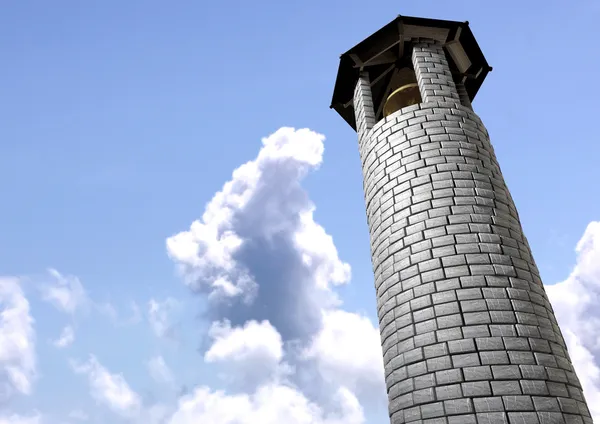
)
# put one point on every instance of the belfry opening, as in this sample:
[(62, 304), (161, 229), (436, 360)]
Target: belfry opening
[(404, 91)]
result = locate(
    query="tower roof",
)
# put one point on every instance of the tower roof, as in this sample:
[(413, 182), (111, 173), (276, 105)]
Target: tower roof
[(390, 47)]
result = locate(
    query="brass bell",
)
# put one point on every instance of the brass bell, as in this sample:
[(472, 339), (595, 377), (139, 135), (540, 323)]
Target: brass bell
[(406, 95)]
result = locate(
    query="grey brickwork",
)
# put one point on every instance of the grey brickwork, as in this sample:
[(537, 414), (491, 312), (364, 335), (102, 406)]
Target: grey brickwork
[(463, 95), (433, 73), (363, 106), (468, 334)]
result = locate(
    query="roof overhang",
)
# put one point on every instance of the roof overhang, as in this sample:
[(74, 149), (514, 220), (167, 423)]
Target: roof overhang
[(391, 47)]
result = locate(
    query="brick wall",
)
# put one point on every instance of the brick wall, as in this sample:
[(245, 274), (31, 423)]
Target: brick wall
[(363, 106), (468, 334), (433, 73)]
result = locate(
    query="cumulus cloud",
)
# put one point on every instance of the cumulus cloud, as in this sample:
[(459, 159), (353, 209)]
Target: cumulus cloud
[(347, 351), (66, 338), (256, 341), (272, 404), (269, 272), (575, 302), (66, 293), (17, 340), (160, 371), (111, 390), (257, 252), (252, 353)]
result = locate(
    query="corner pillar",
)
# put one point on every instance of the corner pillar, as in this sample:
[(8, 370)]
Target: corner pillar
[(364, 111), (433, 73)]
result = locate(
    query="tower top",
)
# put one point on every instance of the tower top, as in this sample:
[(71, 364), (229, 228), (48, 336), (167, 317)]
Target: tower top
[(390, 49)]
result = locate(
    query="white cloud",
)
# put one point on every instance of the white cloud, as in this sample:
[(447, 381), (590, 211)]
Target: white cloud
[(252, 353), (66, 338), (110, 389), (20, 419), (347, 352), (319, 252), (113, 391), (258, 341), (207, 250), (160, 316), (159, 370), (575, 302), (269, 270), (271, 404), (257, 252), (17, 339), (66, 293)]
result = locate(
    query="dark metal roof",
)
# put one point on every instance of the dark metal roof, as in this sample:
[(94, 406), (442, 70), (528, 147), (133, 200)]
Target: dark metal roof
[(391, 45)]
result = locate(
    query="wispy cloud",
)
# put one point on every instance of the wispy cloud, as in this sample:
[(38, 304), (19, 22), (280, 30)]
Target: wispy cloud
[(159, 371), (66, 338), (66, 293), (109, 389), (161, 317), (21, 419)]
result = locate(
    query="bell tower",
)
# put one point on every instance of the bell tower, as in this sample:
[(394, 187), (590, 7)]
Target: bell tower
[(468, 334)]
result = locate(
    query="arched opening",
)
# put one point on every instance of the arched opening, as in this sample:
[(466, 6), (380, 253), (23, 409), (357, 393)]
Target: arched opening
[(406, 95), (403, 90)]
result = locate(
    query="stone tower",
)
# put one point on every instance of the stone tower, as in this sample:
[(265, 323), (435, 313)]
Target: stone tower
[(468, 334)]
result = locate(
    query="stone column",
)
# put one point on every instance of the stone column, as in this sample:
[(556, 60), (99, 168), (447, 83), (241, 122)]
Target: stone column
[(363, 105), (463, 95), (433, 73), (468, 334)]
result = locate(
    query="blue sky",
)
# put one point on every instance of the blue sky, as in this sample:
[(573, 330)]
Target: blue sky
[(120, 121)]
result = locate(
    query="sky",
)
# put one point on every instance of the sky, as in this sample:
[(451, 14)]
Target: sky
[(182, 227)]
